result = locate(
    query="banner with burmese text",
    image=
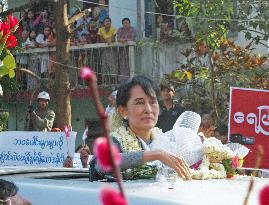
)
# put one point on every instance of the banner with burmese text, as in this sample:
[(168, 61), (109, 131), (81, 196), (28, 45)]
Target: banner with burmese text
[(249, 122), (37, 149)]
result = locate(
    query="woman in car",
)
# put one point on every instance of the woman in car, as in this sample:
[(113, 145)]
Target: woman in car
[(138, 111)]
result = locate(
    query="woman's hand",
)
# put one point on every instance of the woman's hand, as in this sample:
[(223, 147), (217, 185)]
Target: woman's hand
[(177, 163)]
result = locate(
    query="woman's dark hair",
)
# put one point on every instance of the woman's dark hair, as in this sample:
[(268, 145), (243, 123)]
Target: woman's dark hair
[(125, 19), (123, 93), (30, 33), (7, 189), (78, 148), (45, 37)]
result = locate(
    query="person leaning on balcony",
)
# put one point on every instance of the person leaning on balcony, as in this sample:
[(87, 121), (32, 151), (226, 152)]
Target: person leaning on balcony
[(126, 32), (137, 115), (107, 33), (42, 118)]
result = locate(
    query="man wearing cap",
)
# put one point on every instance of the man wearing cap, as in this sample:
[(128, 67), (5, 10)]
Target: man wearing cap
[(169, 110), (42, 118)]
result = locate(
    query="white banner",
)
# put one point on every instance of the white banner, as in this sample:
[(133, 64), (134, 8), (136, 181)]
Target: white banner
[(42, 149)]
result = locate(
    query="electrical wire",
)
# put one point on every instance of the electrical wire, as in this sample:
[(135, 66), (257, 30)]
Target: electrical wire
[(176, 16), (77, 68)]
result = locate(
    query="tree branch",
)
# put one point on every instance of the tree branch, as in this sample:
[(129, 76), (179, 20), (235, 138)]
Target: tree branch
[(76, 17), (255, 31), (263, 44), (28, 72)]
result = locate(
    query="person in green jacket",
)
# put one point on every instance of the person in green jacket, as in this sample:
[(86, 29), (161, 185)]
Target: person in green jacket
[(42, 118)]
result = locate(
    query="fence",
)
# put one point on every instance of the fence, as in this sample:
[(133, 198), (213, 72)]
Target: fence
[(112, 63)]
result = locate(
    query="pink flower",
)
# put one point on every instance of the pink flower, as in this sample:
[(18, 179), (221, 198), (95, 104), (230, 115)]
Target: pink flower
[(86, 73), (101, 151), (13, 21), (11, 41), (235, 162), (109, 196), (264, 195)]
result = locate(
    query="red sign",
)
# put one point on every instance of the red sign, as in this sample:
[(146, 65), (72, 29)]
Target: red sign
[(249, 117)]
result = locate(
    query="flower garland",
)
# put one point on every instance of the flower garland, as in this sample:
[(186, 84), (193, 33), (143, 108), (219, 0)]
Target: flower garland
[(130, 143), (218, 161)]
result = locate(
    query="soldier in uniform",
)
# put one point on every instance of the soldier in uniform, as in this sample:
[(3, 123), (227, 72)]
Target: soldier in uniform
[(42, 118), (169, 109)]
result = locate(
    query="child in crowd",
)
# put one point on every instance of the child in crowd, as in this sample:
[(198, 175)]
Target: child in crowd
[(42, 38), (52, 37), (24, 37), (83, 39), (22, 60), (33, 59), (82, 58), (92, 32), (31, 40), (52, 55), (43, 41)]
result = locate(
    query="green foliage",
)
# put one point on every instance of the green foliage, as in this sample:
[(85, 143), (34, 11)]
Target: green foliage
[(214, 62), (207, 18), (227, 163), (4, 121), (9, 85), (253, 19), (232, 66), (9, 64)]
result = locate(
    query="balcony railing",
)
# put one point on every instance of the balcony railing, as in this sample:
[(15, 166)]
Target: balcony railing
[(112, 63)]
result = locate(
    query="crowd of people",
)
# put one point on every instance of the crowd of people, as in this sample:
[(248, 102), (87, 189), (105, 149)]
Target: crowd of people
[(38, 30), (39, 27)]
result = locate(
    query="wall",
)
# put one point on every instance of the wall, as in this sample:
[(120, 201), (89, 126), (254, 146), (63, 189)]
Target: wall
[(259, 49), (157, 61), (119, 9)]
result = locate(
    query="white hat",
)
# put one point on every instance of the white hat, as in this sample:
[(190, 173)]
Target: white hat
[(43, 95)]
